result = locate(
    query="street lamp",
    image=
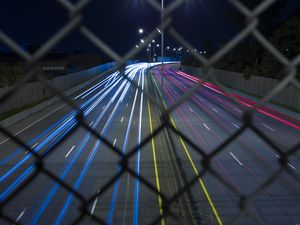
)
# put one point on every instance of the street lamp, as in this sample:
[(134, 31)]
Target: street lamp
[(142, 31), (162, 44)]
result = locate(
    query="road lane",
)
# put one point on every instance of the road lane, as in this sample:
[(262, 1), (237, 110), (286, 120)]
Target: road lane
[(122, 114)]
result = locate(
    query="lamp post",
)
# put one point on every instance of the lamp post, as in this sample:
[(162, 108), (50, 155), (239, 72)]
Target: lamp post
[(142, 31), (162, 44)]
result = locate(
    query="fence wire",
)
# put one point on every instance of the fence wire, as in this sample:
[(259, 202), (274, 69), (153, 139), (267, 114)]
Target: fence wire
[(76, 23)]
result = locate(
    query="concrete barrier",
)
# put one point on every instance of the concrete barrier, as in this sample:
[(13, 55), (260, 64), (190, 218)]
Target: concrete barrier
[(22, 115), (35, 91), (256, 85)]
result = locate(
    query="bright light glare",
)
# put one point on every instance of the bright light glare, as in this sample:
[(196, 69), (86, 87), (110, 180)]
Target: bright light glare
[(141, 31)]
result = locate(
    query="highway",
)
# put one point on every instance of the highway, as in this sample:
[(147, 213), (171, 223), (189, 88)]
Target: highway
[(123, 114)]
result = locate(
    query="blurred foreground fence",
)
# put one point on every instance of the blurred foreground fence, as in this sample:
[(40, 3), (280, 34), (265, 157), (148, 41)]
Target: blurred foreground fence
[(258, 86), (76, 22)]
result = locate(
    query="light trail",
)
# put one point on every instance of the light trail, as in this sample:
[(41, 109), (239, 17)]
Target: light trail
[(207, 195), (136, 195), (240, 99), (79, 180), (116, 185)]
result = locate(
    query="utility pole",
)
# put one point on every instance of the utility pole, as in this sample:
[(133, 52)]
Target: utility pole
[(162, 44)]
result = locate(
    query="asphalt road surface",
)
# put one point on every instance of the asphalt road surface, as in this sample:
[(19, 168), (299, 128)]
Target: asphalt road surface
[(123, 114)]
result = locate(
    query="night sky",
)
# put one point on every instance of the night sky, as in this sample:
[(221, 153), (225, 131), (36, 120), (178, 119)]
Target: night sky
[(116, 22)]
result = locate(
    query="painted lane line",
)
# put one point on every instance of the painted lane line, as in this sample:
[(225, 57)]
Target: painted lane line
[(32, 147), (23, 176), (201, 182), (115, 141), (15, 134), (239, 162), (68, 118), (270, 128), (69, 152), (122, 119), (236, 126), (206, 126), (93, 88), (96, 146), (8, 173), (95, 203), (214, 109), (50, 197), (155, 166), (36, 144), (91, 123), (116, 185), (290, 165), (244, 101), (236, 109), (20, 215), (136, 194), (190, 109)]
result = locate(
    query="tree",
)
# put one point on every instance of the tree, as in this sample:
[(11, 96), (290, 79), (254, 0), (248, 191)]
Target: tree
[(249, 52), (286, 38)]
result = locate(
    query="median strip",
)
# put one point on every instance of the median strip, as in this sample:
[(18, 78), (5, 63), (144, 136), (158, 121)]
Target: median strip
[(155, 164), (195, 169)]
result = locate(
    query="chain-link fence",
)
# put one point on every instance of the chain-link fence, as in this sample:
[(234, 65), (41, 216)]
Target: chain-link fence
[(76, 22)]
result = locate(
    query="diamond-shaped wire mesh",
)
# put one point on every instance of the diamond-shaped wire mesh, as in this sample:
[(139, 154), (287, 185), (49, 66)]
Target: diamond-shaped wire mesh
[(244, 202)]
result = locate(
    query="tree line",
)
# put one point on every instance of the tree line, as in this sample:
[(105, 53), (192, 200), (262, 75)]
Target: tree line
[(250, 57)]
